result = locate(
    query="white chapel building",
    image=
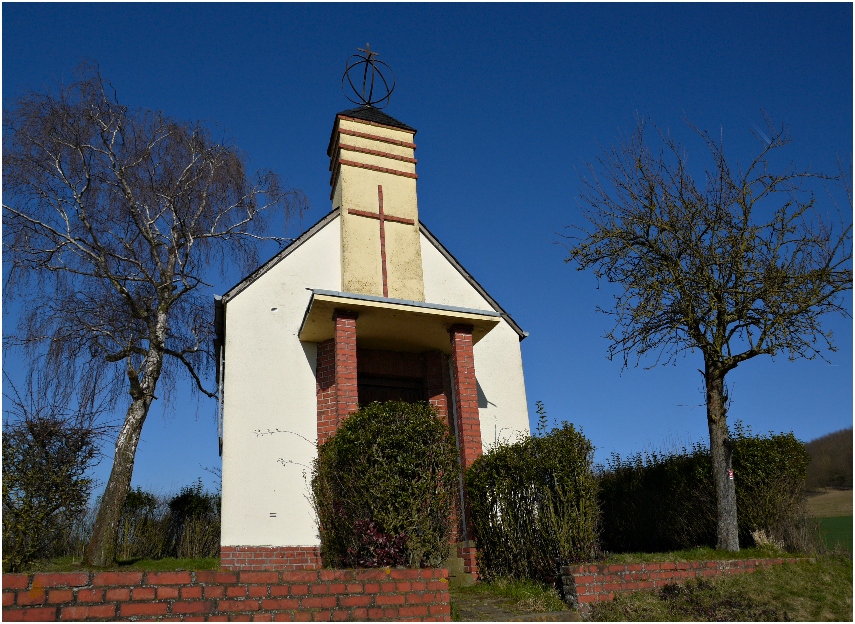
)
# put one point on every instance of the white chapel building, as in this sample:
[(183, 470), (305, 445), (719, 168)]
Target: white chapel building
[(367, 305)]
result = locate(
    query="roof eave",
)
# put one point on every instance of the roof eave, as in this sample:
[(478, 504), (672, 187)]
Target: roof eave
[(287, 251)]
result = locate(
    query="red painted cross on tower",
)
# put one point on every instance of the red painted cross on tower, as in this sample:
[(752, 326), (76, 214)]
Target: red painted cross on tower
[(382, 217)]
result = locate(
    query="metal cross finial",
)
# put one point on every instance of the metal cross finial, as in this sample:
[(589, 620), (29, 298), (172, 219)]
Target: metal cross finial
[(368, 51), (366, 96)]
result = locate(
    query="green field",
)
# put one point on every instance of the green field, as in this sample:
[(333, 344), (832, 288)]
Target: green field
[(837, 531)]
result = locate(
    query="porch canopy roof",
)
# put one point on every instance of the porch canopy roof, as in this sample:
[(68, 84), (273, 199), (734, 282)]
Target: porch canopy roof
[(394, 324)]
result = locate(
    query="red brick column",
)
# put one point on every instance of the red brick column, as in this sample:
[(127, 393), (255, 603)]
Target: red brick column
[(465, 394), (335, 375), (438, 391), (468, 424), (345, 363)]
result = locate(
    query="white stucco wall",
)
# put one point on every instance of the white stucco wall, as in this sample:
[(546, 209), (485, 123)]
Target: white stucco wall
[(270, 386), (270, 399), (502, 403)]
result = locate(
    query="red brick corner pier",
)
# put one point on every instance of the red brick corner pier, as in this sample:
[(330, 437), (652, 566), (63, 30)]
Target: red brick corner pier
[(589, 583), (221, 596)]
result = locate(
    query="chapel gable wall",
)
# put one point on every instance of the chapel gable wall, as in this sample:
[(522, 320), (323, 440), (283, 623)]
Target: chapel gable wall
[(270, 403)]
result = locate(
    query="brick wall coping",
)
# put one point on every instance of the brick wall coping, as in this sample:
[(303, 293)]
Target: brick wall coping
[(588, 583), (218, 595)]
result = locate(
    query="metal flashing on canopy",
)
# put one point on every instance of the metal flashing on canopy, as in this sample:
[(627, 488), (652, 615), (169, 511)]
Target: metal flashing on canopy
[(394, 324)]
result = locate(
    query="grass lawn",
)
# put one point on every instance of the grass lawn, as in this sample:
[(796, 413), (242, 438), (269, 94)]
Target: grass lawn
[(70, 564), (809, 591), (818, 591), (837, 532), (503, 597)]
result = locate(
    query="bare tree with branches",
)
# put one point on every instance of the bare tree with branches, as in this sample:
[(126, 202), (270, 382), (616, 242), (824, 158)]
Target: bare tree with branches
[(113, 218), (740, 266)]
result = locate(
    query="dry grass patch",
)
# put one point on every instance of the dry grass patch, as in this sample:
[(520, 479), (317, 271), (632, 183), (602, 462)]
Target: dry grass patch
[(831, 503)]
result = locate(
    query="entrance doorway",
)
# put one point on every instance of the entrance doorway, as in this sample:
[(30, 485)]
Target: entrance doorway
[(382, 388)]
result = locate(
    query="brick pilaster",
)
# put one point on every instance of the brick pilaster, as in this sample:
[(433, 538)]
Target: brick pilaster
[(438, 392), (335, 375), (325, 387), (465, 394), (345, 363), (468, 425), (438, 384)]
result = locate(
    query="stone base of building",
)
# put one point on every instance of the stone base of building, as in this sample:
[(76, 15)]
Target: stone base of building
[(457, 575), (270, 557)]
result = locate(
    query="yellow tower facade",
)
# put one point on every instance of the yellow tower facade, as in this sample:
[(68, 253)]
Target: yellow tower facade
[(373, 178)]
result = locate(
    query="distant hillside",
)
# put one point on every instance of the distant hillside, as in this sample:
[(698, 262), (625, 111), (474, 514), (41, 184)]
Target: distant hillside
[(831, 461)]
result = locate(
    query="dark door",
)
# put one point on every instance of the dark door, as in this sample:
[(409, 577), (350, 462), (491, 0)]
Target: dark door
[(375, 388)]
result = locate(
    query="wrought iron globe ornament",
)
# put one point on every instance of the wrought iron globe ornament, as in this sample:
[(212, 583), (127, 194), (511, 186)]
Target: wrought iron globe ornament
[(375, 90)]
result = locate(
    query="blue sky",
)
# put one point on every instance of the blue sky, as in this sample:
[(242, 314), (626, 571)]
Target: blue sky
[(510, 102)]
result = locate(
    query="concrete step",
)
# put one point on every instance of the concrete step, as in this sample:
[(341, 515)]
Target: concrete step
[(457, 576)]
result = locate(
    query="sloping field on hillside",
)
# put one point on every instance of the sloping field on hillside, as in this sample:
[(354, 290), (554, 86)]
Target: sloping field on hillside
[(831, 503), (837, 532)]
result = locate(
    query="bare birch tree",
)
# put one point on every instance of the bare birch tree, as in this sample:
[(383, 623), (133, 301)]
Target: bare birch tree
[(113, 218), (738, 266)]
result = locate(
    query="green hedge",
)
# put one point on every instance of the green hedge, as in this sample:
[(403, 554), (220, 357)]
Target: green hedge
[(185, 525), (385, 487), (661, 502), (534, 505)]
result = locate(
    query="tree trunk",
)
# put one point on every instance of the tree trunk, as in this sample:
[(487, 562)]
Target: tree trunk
[(101, 550), (721, 451)]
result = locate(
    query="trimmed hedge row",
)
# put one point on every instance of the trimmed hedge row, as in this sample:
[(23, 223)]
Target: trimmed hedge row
[(662, 502)]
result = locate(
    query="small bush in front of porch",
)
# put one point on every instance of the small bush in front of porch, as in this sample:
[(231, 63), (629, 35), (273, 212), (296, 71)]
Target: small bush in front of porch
[(534, 505), (384, 488)]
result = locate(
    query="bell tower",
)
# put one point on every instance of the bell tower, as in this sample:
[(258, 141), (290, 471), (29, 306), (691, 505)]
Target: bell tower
[(373, 178)]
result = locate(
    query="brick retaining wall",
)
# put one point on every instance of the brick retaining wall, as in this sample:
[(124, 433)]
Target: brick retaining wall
[(320, 595), (589, 583)]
